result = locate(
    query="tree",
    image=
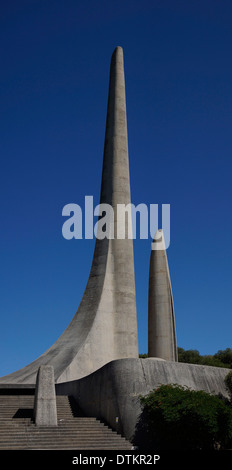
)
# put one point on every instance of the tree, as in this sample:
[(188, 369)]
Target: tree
[(175, 417), (190, 356), (220, 359), (225, 356)]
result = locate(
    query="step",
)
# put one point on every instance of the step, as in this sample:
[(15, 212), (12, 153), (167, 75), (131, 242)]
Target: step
[(76, 448), (59, 436), (50, 441), (62, 443), (74, 431)]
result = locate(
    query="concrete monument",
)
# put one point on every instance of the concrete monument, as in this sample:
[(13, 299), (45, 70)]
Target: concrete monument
[(108, 304), (161, 317), (96, 358)]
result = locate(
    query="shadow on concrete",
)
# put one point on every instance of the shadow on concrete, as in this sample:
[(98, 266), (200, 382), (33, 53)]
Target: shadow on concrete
[(24, 413)]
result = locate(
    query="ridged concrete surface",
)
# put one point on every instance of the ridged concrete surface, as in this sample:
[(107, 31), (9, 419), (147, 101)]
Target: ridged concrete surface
[(114, 390)]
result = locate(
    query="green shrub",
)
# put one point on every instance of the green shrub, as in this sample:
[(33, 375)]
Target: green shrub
[(176, 417)]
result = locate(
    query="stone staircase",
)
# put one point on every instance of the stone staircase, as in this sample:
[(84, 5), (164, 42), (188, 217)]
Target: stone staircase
[(18, 431)]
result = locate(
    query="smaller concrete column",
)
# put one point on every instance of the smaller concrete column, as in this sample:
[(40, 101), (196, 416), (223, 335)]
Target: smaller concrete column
[(45, 412), (161, 317)]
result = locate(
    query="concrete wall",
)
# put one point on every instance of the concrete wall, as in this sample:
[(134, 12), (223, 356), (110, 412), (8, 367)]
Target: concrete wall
[(112, 392)]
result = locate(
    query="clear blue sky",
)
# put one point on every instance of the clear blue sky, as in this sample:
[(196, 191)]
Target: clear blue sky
[(55, 58)]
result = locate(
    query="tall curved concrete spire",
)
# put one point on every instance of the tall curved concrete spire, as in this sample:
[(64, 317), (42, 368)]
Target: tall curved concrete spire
[(161, 317), (105, 326)]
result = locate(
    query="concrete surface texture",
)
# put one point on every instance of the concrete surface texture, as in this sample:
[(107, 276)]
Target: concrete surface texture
[(108, 304), (112, 393), (45, 412), (161, 317)]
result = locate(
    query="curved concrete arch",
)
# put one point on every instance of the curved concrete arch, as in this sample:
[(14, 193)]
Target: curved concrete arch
[(104, 327)]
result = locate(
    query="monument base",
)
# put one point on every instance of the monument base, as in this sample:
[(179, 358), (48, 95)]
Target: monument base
[(112, 392)]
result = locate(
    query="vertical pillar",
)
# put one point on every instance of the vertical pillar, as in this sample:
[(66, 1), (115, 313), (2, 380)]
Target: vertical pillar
[(161, 318), (45, 413)]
